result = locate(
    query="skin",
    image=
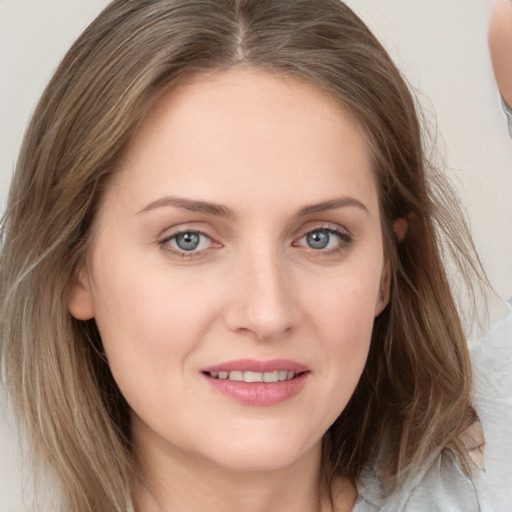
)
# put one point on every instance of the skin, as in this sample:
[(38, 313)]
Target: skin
[(500, 47), (266, 148)]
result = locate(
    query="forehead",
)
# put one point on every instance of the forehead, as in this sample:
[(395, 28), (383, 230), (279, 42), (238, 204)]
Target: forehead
[(251, 132)]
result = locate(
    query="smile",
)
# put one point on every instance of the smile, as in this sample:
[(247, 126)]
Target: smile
[(250, 376), (258, 383)]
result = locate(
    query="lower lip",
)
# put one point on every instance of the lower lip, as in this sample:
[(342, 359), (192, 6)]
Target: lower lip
[(259, 393)]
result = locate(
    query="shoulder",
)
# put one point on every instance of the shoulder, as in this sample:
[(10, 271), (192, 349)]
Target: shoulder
[(492, 363), (443, 486)]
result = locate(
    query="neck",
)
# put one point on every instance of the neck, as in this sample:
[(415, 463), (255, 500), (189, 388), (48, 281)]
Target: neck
[(172, 480)]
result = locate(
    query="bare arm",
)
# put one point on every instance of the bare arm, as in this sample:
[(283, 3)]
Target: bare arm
[(500, 46)]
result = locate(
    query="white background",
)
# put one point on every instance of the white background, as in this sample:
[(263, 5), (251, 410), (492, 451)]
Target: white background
[(441, 46)]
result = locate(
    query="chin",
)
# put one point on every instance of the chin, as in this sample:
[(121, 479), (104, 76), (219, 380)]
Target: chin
[(259, 455)]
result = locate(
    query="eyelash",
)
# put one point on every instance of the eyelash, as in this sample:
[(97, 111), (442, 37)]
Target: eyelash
[(345, 240), (164, 244)]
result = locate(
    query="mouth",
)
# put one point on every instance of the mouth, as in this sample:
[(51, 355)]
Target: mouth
[(258, 383), (252, 376)]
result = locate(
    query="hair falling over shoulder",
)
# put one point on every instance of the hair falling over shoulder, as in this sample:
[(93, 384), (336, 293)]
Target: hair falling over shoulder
[(413, 399)]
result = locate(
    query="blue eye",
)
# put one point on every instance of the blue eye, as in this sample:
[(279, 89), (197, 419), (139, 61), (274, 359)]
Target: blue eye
[(318, 239), (189, 241), (325, 239)]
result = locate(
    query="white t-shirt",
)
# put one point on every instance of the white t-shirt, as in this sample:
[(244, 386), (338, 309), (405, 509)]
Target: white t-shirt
[(444, 487)]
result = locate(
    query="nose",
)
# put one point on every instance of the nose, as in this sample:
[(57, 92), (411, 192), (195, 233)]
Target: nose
[(262, 302)]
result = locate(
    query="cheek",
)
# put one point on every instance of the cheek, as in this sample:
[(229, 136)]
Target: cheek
[(344, 304), (345, 323), (149, 324), (341, 320)]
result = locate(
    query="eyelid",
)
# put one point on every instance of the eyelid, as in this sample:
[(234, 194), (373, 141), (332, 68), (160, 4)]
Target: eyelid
[(343, 235), (166, 247)]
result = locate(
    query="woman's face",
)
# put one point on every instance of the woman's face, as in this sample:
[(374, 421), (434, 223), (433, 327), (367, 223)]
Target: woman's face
[(240, 241)]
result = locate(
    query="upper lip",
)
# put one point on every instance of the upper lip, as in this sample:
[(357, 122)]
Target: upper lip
[(254, 365)]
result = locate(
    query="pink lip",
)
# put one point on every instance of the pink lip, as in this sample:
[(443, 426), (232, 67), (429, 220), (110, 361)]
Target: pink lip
[(258, 393)]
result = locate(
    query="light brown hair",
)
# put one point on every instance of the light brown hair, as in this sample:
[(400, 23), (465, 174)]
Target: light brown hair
[(414, 395)]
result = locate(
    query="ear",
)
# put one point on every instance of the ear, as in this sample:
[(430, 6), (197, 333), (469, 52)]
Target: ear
[(384, 291), (80, 298), (400, 227)]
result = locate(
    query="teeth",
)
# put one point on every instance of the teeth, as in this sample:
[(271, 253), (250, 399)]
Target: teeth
[(238, 376), (253, 377), (271, 376)]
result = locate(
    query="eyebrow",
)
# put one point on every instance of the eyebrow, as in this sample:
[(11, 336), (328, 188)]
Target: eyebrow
[(192, 205), (332, 204), (223, 211)]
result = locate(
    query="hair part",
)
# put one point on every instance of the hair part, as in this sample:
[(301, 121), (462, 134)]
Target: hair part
[(414, 395)]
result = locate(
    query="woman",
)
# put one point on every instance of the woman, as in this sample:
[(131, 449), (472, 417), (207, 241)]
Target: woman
[(221, 278)]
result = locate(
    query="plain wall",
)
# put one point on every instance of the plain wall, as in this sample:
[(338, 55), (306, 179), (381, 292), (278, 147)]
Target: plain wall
[(440, 46)]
